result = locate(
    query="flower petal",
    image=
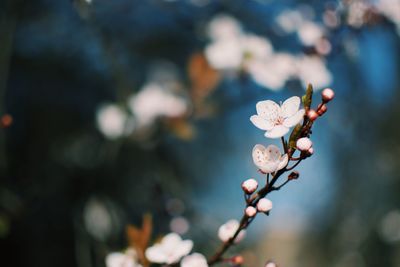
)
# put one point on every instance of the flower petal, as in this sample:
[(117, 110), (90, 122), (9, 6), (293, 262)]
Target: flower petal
[(115, 259), (171, 240), (258, 154), (181, 250), (269, 166), (283, 162), (272, 153), (194, 260), (295, 119), (290, 106), (261, 123), (268, 109), (156, 254), (277, 131)]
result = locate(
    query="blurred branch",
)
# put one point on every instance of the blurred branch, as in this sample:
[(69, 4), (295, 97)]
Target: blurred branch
[(8, 20)]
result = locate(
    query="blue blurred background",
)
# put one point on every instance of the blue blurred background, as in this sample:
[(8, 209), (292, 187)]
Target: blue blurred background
[(113, 109)]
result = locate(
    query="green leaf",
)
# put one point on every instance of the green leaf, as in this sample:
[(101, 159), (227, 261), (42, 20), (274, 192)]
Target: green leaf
[(307, 98), (295, 135)]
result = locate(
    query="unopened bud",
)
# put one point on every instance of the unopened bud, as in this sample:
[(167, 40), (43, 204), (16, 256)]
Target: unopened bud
[(327, 95), (6, 120), (311, 151), (264, 205), (312, 115), (250, 211), (322, 108), (293, 175), (304, 144), (238, 260), (249, 186)]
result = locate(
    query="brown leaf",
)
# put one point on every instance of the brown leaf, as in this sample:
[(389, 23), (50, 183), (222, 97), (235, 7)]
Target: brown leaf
[(139, 238), (202, 76)]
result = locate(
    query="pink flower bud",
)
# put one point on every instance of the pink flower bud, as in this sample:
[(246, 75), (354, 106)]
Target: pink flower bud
[(238, 260), (311, 151), (264, 205), (249, 186), (312, 115), (250, 211), (322, 108), (303, 144), (327, 94)]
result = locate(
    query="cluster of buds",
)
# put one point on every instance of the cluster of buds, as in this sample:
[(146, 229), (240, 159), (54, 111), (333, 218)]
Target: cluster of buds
[(303, 143), (327, 95), (263, 205)]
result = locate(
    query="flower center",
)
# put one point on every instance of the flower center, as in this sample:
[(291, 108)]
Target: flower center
[(279, 121)]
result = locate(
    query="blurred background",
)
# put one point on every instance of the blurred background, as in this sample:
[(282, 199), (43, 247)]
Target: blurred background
[(114, 109)]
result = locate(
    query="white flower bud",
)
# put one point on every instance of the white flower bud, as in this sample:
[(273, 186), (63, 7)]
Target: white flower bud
[(327, 94), (304, 144), (249, 186), (270, 264), (264, 205), (310, 151), (250, 211)]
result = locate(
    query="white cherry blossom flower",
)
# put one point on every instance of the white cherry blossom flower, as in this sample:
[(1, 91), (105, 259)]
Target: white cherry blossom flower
[(275, 119), (269, 159), (171, 249), (227, 230), (118, 259), (194, 260)]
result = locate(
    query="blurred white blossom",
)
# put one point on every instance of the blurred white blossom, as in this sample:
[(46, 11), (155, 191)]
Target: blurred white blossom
[(224, 54), (289, 20), (276, 120), (390, 226), (127, 259), (111, 121), (356, 13), (170, 250), (310, 33), (194, 260), (97, 219), (274, 71), (231, 49), (179, 225), (312, 69), (224, 27), (391, 9), (154, 101), (227, 230)]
